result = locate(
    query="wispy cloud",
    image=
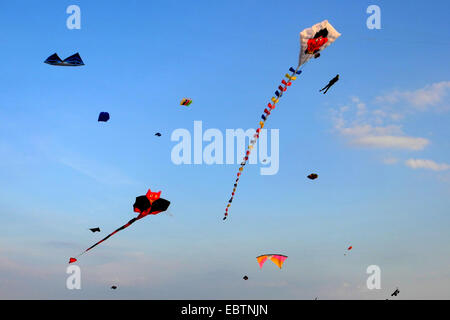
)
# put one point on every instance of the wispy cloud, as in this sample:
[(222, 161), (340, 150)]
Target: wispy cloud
[(390, 160), (61, 244), (427, 164), (420, 99), (365, 128), (99, 172), (393, 142)]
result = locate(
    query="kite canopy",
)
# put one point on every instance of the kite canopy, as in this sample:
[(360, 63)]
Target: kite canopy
[(186, 102), (103, 116), (53, 59), (72, 61), (348, 249), (159, 205), (151, 203), (312, 176), (141, 205), (245, 278), (158, 134), (95, 229), (278, 259), (72, 260), (316, 39)]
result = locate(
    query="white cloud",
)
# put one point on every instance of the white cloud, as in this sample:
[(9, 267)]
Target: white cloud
[(392, 142), (428, 96), (390, 160), (427, 164), (369, 129), (361, 106)]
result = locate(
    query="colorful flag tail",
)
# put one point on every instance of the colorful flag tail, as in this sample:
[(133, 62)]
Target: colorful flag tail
[(283, 87)]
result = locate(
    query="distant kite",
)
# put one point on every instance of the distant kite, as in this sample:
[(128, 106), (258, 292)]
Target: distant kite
[(312, 41), (245, 278), (72, 61), (114, 287), (395, 293), (312, 176), (158, 134), (185, 102), (95, 229), (348, 249), (103, 117), (278, 259)]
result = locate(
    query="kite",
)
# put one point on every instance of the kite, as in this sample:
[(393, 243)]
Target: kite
[(312, 41), (186, 102), (395, 293), (151, 203), (95, 229), (114, 287), (245, 278), (72, 61), (158, 134), (330, 83), (348, 249), (103, 116), (312, 176), (278, 259)]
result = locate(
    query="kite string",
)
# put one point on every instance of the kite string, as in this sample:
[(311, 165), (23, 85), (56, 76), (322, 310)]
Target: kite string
[(111, 234), (256, 137)]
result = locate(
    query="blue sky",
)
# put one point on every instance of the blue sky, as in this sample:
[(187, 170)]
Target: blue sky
[(378, 140)]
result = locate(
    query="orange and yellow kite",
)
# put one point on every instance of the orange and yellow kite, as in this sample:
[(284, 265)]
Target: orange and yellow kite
[(278, 259)]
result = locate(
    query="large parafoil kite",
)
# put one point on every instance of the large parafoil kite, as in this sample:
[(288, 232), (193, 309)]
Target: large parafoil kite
[(151, 203), (312, 41), (278, 259)]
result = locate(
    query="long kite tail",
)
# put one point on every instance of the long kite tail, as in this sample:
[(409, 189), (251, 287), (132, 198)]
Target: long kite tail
[(105, 238), (271, 105)]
